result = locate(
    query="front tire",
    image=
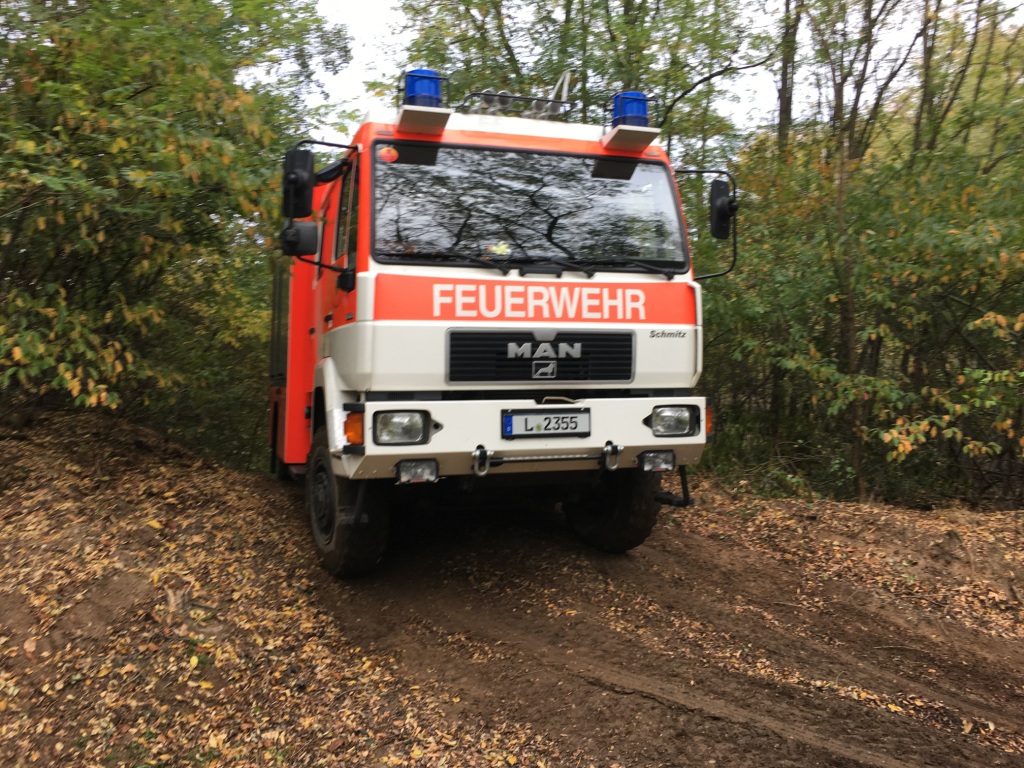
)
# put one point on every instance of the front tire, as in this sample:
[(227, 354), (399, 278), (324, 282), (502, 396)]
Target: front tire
[(618, 513), (348, 518)]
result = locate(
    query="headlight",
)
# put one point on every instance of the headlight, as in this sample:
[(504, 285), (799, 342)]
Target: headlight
[(675, 420), (400, 427)]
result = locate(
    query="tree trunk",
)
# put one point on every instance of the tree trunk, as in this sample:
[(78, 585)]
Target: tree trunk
[(790, 26)]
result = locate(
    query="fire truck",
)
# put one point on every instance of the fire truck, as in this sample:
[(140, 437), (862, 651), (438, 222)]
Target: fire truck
[(487, 297)]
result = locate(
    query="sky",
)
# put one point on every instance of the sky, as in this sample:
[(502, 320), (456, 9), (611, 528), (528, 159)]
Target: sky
[(376, 49)]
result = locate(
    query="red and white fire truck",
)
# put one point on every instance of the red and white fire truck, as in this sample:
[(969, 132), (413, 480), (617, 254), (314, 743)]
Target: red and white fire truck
[(487, 296)]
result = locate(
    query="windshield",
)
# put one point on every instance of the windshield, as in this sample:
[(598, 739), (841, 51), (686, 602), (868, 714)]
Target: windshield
[(435, 201)]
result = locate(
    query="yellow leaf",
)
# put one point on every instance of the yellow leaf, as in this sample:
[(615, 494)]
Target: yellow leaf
[(205, 684), (193, 662), (16, 354), (894, 708), (41, 222), (156, 525), (217, 740)]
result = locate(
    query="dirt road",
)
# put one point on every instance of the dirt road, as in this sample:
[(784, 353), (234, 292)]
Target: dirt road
[(692, 650), (158, 610)]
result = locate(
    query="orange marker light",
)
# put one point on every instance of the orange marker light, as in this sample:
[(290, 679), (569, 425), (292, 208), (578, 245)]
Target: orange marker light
[(388, 154), (354, 428)]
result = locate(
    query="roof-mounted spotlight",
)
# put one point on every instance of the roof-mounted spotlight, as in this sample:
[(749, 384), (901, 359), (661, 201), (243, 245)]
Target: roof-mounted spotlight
[(423, 107)]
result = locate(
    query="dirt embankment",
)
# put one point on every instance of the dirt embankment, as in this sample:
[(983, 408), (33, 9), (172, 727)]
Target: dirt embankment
[(158, 610)]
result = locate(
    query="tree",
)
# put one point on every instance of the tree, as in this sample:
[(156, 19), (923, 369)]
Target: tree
[(877, 314), (140, 144), (672, 50)]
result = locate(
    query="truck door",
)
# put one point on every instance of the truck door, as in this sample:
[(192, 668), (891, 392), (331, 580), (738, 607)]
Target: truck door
[(343, 305)]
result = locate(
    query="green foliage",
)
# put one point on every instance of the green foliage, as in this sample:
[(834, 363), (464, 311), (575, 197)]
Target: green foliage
[(220, 406), (140, 145), (46, 345), (931, 261)]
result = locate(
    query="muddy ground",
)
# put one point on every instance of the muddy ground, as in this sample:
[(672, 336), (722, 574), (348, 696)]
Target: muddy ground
[(159, 610)]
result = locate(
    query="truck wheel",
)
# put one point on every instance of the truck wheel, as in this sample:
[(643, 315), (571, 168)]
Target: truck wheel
[(349, 518), (618, 513)]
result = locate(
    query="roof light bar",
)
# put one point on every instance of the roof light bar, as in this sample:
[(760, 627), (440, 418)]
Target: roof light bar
[(489, 102)]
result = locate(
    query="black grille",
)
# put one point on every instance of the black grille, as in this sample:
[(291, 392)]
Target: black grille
[(484, 356)]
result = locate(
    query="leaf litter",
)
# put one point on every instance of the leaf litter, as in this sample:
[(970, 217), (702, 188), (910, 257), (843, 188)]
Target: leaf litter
[(157, 609)]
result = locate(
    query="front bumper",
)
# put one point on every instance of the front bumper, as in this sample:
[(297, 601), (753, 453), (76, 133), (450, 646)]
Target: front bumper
[(468, 438)]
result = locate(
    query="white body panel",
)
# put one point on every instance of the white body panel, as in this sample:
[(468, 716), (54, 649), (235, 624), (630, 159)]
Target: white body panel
[(408, 357)]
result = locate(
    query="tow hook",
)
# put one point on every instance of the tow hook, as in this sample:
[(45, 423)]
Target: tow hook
[(481, 461), (610, 455)]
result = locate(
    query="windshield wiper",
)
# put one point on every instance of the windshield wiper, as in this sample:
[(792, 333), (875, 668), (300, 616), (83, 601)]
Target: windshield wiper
[(570, 264), (668, 272), (465, 258)]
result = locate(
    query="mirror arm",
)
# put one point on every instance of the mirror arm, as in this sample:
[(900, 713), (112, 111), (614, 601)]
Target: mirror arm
[(319, 143), (320, 265), (735, 253), (733, 207)]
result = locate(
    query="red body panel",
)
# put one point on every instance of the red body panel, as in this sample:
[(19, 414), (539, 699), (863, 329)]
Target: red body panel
[(402, 297), (293, 423)]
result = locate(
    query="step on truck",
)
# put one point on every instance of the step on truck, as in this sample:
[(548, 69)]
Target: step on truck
[(483, 297)]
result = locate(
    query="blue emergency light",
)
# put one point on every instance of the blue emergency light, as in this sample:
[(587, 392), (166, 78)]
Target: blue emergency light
[(629, 108), (423, 88)]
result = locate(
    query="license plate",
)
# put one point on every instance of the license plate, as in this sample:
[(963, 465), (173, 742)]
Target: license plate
[(560, 423)]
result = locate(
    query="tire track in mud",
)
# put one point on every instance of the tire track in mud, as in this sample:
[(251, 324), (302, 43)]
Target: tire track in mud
[(645, 659)]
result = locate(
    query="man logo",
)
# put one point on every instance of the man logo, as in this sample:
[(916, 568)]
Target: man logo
[(545, 350), (544, 370)]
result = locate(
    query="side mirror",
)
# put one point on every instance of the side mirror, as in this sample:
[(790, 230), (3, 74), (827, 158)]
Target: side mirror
[(297, 198), (722, 207), (300, 238)]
